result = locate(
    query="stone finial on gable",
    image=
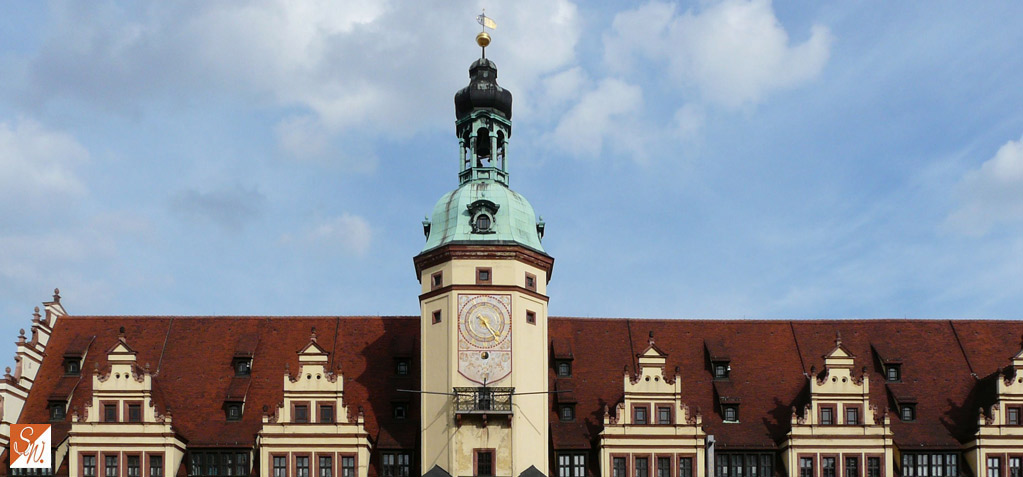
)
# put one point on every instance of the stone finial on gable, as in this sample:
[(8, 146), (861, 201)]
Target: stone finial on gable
[(56, 295), (35, 315)]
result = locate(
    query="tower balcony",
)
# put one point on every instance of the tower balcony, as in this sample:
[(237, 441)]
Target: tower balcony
[(483, 401)]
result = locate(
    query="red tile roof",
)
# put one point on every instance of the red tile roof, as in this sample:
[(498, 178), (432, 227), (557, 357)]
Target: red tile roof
[(944, 365)]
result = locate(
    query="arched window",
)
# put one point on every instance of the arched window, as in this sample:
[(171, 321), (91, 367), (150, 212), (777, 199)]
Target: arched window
[(482, 222)]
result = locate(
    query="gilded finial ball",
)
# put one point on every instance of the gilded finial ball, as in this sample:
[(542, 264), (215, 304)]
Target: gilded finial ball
[(483, 39)]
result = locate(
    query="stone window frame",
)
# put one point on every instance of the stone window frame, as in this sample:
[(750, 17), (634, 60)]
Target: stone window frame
[(814, 465), (95, 463), (670, 406), (294, 463), (859, 414), (340, 461), (294, 412), (103, 409), (490, 275), (672, 471), (315, 472), (493, 460), (437, 279), (845, 465), (646, 414), (148, 466), (831, 411), (692, 464), (319, 412), (530, 278), (127, 403)]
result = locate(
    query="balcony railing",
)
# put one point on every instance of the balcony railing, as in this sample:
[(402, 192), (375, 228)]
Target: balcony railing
[(483, 400)]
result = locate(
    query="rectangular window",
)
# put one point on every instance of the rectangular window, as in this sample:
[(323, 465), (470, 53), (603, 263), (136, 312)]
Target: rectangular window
[(922, 467), (302, 466), (72, 367), (937, 465), (642, 467), (531, 317), (766, 465), (567, 412), (564, 369), (326, 413), (951, 465), (892, 372), (133, 466), (483, 276), (234, 411), (401, 367), (873, 467), (731, 413), (347, 466), (58, 411), (1015, 467), (685, 467), (134, 413), (908, 412), (242, 366), (530, 282), (664, 467), (436, 316), (280, 466), (618, 467), (852, 467), (89, 466), (663, 415), (110, 413), (572, 464), (852, 416), (806, 467), (639, 415), (721, 370), (484, 463), (156, 466), (994, 467), (326, 468), (110, 466), (301, 413), (436, 280), (395, 464), (721, 465), (908, 466), (827, 416), (1013, 415), (400, 410), (737, 469)]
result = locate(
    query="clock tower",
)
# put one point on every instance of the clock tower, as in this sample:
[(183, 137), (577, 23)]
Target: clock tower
[(483, 304)]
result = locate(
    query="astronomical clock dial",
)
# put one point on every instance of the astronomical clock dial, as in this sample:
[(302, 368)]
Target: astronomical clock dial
[(484, 337)]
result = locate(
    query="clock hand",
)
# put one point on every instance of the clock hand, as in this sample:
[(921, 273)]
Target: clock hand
[(487, 324)]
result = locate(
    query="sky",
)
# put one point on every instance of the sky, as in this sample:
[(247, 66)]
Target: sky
[(710, 159)]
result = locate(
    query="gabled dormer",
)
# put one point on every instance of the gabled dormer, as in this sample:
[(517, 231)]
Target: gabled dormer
[(652, 411), (839, 408), (1007, 411), (838, 395), (313, 414), (123, 405)]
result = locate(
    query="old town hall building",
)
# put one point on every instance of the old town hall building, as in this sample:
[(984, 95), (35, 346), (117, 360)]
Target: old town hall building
[(484, 383)]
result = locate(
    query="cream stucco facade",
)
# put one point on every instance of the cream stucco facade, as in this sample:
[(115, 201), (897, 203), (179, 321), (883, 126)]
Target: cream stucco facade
[(452, 438)]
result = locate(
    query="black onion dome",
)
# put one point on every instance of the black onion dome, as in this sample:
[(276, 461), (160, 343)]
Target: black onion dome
[(483, 91)]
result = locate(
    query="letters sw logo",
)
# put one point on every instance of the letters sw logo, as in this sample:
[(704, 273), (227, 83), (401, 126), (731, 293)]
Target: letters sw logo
[(30, 446)]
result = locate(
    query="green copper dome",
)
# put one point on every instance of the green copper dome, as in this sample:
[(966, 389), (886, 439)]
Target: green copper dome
[(483, 210), (457, 217)]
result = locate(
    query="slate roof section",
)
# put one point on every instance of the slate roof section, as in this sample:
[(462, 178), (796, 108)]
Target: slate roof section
[(191, 359)]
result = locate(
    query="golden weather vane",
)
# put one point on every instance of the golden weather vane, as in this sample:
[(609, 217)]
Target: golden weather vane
[(483, 39)]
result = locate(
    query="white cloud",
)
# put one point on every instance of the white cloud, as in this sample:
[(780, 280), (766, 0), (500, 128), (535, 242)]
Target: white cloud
[(363, 64), (302, 137), (734, 52), (992, 194), (38, 166), (602, 114), (347, 233), (689, 120)]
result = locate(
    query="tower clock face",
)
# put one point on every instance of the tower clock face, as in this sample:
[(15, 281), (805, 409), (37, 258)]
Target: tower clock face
[(484, 337)]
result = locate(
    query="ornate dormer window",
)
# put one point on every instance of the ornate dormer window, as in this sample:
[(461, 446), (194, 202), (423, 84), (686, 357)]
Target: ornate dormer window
[(482, 213)]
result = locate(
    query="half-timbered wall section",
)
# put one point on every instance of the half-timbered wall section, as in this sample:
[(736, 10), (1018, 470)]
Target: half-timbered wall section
[(840, 432), (652, 432), (311, 433)]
